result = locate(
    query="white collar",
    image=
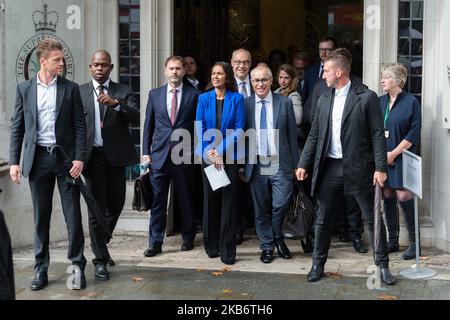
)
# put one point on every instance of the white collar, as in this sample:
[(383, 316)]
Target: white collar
[(179, 88), (268, 99), (246, 80), (39, 82), (343, 91), (96, 84)]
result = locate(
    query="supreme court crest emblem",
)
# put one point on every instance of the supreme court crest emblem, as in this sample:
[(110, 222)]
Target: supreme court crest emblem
[(27, 63)]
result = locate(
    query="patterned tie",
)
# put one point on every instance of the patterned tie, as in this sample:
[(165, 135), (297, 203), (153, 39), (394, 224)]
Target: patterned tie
[(173, 111), (263, 137), (101, 107), (244, 89)]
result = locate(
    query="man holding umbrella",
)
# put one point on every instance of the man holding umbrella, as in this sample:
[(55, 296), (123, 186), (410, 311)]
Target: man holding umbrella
[(48, 111), (346, 155)]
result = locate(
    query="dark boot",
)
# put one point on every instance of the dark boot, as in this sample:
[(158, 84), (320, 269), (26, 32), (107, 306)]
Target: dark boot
[(408, 216), (391, 218)]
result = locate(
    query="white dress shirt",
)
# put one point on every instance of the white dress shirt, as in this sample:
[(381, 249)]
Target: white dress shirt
[(270, 123), (340, 97), (170, 96), (194, 82), (46, 112), (98, 140), (247, 85)]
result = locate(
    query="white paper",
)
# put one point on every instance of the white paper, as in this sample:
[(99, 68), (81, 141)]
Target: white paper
[(217, 178)]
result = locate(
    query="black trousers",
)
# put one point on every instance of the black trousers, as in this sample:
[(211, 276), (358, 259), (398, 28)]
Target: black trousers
[(349, 218), (42, 183), (220, 216), (108, 186), (330, 192), (7, 291)]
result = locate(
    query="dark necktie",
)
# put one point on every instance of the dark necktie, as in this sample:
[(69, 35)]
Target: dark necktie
[(173, 111), (263, 137), (244, 89), (101, 107), (321, 72)]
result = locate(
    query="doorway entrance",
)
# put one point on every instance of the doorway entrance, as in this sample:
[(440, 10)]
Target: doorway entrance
[(211, 29)]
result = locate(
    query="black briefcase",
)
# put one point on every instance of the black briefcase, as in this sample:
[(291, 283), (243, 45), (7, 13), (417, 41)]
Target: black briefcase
[(143, 193)]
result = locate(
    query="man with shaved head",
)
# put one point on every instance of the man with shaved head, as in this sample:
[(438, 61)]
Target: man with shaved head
[(109, 108)]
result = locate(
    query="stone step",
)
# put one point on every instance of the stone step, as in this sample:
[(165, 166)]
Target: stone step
[(132, 221)]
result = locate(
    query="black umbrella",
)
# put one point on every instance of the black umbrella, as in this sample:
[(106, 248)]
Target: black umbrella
[(61, 158)]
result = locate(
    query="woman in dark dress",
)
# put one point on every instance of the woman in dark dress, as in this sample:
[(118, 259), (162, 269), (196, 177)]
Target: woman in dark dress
[(403, 123), (221, 111)]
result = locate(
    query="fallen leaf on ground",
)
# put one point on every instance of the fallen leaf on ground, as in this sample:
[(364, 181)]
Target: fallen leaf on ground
[(215, 273), (200, 270), (225, 269), (424, 258), (385, 297), (136, 279), (334, 275), (227, 291)]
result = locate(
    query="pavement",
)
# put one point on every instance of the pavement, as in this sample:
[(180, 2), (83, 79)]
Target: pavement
[(191, 275)]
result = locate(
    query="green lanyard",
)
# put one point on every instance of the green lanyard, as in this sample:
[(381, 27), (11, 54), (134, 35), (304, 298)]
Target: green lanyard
[(386, 114)]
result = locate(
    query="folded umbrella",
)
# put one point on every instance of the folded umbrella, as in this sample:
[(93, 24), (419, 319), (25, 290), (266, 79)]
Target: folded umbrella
[(61, 158), (377, 234)]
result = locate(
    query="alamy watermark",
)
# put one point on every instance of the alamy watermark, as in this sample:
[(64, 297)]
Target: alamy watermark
[(374, 281)]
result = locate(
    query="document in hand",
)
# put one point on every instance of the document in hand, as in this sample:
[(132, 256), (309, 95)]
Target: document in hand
[(217, 178)]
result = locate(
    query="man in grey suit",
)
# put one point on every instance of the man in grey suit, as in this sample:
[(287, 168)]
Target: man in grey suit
[(346, 155), (48, 111), (110, 108), (271, 160)]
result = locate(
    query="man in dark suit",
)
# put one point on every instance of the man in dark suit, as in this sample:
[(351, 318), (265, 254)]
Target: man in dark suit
[(7, 291), (271, 161), (346, 155), (190, 77), (49, 111), (348, 221), (110, 108), (170, 108), (241, 62), (315, 71)]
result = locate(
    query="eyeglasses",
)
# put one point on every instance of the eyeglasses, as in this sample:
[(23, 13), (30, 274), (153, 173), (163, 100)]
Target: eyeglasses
[(261, 81), (239, 62), (322, 50)]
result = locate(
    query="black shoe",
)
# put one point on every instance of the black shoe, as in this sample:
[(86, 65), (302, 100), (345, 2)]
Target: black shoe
[(316, 273), (79, 280), (187, 246), (152, 251), (387, 277), (410, 253), (359, 246), (266, 256), (101, 272), (228, 262), (283, 250), (393, 247), (214, 255), (111, 262), (39, 282), (239, 239), (344, 237)]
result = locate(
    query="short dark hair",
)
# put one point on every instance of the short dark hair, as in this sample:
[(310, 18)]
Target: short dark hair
[(174, 58), (344, 52), (329, 38), (45, 46), (230, 81), (341, 62)]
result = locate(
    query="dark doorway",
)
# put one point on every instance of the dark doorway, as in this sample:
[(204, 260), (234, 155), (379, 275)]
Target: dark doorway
[(211, 29)]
